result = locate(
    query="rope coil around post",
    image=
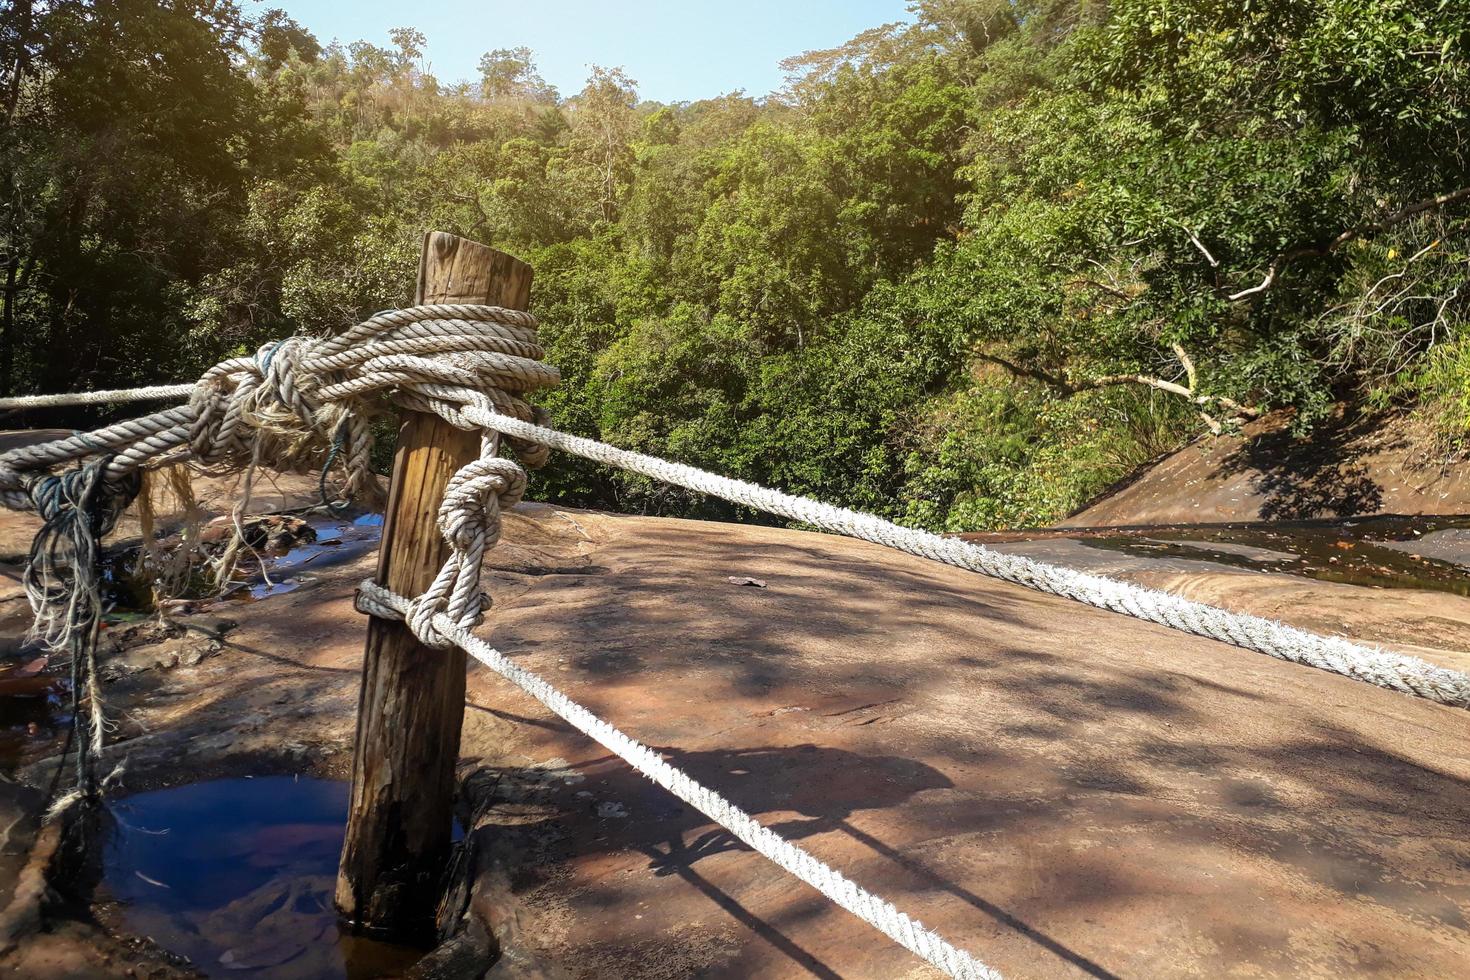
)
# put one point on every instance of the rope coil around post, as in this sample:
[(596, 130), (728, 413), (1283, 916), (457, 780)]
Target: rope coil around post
[(284, 404)]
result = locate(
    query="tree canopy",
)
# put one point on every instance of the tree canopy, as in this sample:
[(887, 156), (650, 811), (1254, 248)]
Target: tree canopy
[(964, 271)]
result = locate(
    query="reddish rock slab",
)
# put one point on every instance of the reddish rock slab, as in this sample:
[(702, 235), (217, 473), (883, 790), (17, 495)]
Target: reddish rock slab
[(1063, 791), (1346, 469)]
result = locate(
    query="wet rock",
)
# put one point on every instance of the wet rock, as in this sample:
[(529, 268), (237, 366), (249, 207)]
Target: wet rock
[(29, 848), (162, 644), (281, 922), (188, 650), (177, 607), (275, 533), (16, 685)]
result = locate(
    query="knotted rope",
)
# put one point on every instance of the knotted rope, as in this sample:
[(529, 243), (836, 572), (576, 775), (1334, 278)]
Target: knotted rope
[(285, 404), (469, 519), (301, 403), (298, 404), (62, 583)]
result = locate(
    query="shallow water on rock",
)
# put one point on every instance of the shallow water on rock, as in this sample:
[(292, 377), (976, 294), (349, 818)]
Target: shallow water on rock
[(336, 540), (34, 709), (1389, 551), (276, 563), (237, 875)]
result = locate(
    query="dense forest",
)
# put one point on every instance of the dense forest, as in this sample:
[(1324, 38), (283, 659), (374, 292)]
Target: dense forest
[(962, 271)]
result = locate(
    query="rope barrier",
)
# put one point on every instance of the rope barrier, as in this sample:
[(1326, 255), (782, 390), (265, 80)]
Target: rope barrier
[(1397, 672), (877, 912), (470, 363), (119, 396), (302, 400)]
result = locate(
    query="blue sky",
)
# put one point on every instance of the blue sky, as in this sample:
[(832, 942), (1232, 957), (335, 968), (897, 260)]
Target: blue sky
[(676, 51)]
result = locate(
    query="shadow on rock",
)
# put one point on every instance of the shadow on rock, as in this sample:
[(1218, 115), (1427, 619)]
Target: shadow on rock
[(1320, 475)]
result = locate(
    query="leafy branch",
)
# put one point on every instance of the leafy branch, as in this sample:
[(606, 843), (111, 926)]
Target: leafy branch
[(1284, 259)]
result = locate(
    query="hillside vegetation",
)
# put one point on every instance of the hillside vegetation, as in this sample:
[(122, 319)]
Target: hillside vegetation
[(964, 271)]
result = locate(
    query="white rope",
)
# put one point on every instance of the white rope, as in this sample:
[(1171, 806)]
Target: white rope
[(474, 408), (117, 397), (1341, 656), (306, 402), (470, 364), (877, 912)]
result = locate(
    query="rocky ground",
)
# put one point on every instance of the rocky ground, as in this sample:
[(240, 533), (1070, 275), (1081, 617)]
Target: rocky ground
[(1064, 791), (1351, 468)]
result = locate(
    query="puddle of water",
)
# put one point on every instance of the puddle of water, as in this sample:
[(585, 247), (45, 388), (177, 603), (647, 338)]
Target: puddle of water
[(238, 875), (330, 540), (1352, 553), (337, 540), (34, 712)]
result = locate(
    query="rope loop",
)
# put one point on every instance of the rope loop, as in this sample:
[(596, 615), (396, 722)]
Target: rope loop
[(420, 620)]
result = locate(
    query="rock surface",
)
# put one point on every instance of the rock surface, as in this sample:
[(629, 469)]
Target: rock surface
[(1349, 469), (1064, 791)]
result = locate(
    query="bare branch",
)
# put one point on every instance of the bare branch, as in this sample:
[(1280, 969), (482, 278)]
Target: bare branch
[(1035, 374), (1107, 380), (1188, 366), (1214, 263), (1239, 413), (1111, 290)]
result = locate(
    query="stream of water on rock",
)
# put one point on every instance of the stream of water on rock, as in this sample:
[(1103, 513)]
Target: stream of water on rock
[(1379, 552)]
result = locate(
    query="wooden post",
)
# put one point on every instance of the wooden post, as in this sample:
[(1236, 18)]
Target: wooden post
[(412, 701)]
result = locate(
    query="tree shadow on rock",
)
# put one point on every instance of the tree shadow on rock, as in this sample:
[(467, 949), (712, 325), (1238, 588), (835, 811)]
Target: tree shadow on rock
[(816, 790), (1321, 475)]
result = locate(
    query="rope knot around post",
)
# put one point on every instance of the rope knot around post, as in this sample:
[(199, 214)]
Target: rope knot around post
[(291, 402), (371, 599), (469, 520)]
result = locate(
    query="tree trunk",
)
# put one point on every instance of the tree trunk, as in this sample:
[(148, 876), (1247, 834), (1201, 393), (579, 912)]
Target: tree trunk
[(7, 326)]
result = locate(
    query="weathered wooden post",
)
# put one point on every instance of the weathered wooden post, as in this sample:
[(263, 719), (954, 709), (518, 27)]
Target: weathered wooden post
[(412, 702)]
